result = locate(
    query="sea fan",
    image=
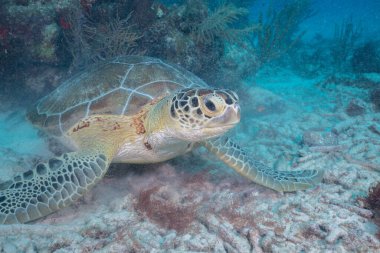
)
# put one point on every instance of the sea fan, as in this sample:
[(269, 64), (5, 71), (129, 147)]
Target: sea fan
[(218, 23), (117, 37), (90, 41)]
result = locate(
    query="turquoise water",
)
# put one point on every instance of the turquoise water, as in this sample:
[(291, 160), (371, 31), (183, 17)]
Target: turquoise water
[(15, 133)]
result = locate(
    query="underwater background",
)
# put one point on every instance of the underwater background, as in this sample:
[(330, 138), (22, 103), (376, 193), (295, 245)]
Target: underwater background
[(308, 76)]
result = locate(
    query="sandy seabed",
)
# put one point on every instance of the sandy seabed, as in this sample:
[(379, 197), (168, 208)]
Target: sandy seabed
[(196, 204)]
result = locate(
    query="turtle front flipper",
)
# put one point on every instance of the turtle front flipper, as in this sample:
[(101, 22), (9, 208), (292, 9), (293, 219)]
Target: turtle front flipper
[(282, 181), (50, 186), (59, 182)]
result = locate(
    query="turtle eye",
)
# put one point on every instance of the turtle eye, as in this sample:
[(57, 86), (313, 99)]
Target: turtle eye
[(213, 105)]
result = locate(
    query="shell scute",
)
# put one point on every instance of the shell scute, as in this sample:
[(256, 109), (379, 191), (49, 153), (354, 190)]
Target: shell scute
[(120, 86), (110, 104)]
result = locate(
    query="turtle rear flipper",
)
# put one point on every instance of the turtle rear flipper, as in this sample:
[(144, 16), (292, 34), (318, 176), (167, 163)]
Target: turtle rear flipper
[(281, 181), (50, 186)]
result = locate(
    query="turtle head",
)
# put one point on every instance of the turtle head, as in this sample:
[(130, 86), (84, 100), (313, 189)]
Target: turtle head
[(200, 114)]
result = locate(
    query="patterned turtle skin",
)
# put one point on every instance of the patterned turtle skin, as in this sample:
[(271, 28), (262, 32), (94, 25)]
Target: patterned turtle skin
[(132, 109)]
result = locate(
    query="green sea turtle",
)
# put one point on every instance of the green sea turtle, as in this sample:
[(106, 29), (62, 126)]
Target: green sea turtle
[(131, 110)]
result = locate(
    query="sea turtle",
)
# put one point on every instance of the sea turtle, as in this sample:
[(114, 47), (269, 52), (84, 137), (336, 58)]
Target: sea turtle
[(132, 109)]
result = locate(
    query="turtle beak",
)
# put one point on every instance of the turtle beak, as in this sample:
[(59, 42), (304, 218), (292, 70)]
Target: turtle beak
[(232, 115)]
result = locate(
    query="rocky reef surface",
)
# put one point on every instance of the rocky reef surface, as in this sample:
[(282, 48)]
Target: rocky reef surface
[(196, 204)]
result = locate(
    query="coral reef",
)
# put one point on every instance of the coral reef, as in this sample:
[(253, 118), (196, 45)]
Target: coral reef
[(170, 38), (78, 33), (199, 35), (29, 30), (194, 36), (189, 34), (29, 39)]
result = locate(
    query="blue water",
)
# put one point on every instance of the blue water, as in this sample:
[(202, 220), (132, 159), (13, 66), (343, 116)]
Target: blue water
[(328, 13)]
